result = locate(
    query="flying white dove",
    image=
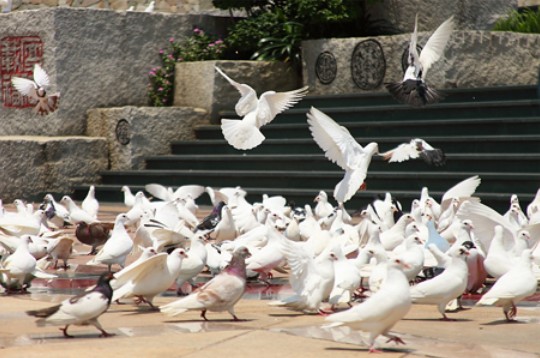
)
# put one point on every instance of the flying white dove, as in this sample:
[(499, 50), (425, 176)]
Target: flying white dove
[(37, 89), (416, 148), (515, 285), (413, 89), (221, 293), (256, 112), (80, 310), (151, 277), (445, 287), (380, 312), (341, 148)]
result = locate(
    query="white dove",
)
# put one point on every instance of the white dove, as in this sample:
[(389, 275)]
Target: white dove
[(447, 286), (256, 112), (379, 313), (76, 214), (195, 263), (341, 148), (515, 285), (150, 7), (151, 277), (416, 148), (311, 278), (118, 246), (323, 207), (413, 89), (80, 310), (90, 204), (221, 293), (15, 271), (37, 89)]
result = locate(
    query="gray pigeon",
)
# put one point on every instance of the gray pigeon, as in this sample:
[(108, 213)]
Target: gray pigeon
[(80, 310), (219, 294)]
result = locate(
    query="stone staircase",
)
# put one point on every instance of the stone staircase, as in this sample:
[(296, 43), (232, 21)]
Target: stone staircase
[(490, 132)]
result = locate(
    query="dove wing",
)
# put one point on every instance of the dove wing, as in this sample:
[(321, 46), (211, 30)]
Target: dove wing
[(272, 103), (401, 153), (434, 48), (463, 189), (248, 100), (158, 191), (140, 271), (40, 76), (337, 143), (25, 86)]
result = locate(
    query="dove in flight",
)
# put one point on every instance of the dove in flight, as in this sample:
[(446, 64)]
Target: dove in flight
[(413, 89), (37, 89), (80, 310), (416, 148), (341, 148), (244, 133)]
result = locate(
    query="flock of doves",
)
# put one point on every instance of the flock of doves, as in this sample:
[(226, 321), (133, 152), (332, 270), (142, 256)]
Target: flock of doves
[(363, 271)]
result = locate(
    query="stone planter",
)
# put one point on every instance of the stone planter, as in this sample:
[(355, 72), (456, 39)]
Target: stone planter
[(472, 59), (197, 84), (133, 133)]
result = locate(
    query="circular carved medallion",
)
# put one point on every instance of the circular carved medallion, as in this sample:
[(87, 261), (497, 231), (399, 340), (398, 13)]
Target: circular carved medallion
[(326, 67), (368, 65), (123, 132)]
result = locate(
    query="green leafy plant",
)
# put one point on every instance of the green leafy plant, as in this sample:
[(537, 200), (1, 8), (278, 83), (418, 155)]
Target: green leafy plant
[(198, 47), (274, 29), (284, 47), (527, 21)]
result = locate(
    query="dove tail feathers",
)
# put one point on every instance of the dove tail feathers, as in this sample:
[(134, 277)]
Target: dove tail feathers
[(415, 93), (241, 135), (171, 310)]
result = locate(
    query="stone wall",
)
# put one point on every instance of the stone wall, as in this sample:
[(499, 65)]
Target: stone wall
[(471, 59), (32, 166), (95, 58), (174, 6), (133, 133)]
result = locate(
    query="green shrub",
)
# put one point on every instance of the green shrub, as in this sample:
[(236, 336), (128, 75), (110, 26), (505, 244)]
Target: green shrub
[(198, 47), (527, 21)]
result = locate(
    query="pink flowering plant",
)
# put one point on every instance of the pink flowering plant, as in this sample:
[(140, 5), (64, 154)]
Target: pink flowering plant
[(200, 46)]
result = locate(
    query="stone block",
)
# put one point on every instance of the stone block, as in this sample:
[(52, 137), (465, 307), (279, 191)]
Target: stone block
[(95, 58), (471, 59), (36, 165), (197, 84), (133, 133), (468, 14)]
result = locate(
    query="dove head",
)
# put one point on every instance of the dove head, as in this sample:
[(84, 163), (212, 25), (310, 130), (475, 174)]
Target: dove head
[(400, 264), (524, 234), (459, 252), (237, 266), (467, 225), (180, 252)]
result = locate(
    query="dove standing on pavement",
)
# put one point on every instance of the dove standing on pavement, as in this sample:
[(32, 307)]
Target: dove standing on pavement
[(37, 90), (152, 277), (76, 214), (17, 268), (256, 112), (94, 235), (450, 284), (380, 312), (79, 310), (221, 293), (118, 246), (90, 204), (413, 89), (515, 285), (341, 148)]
